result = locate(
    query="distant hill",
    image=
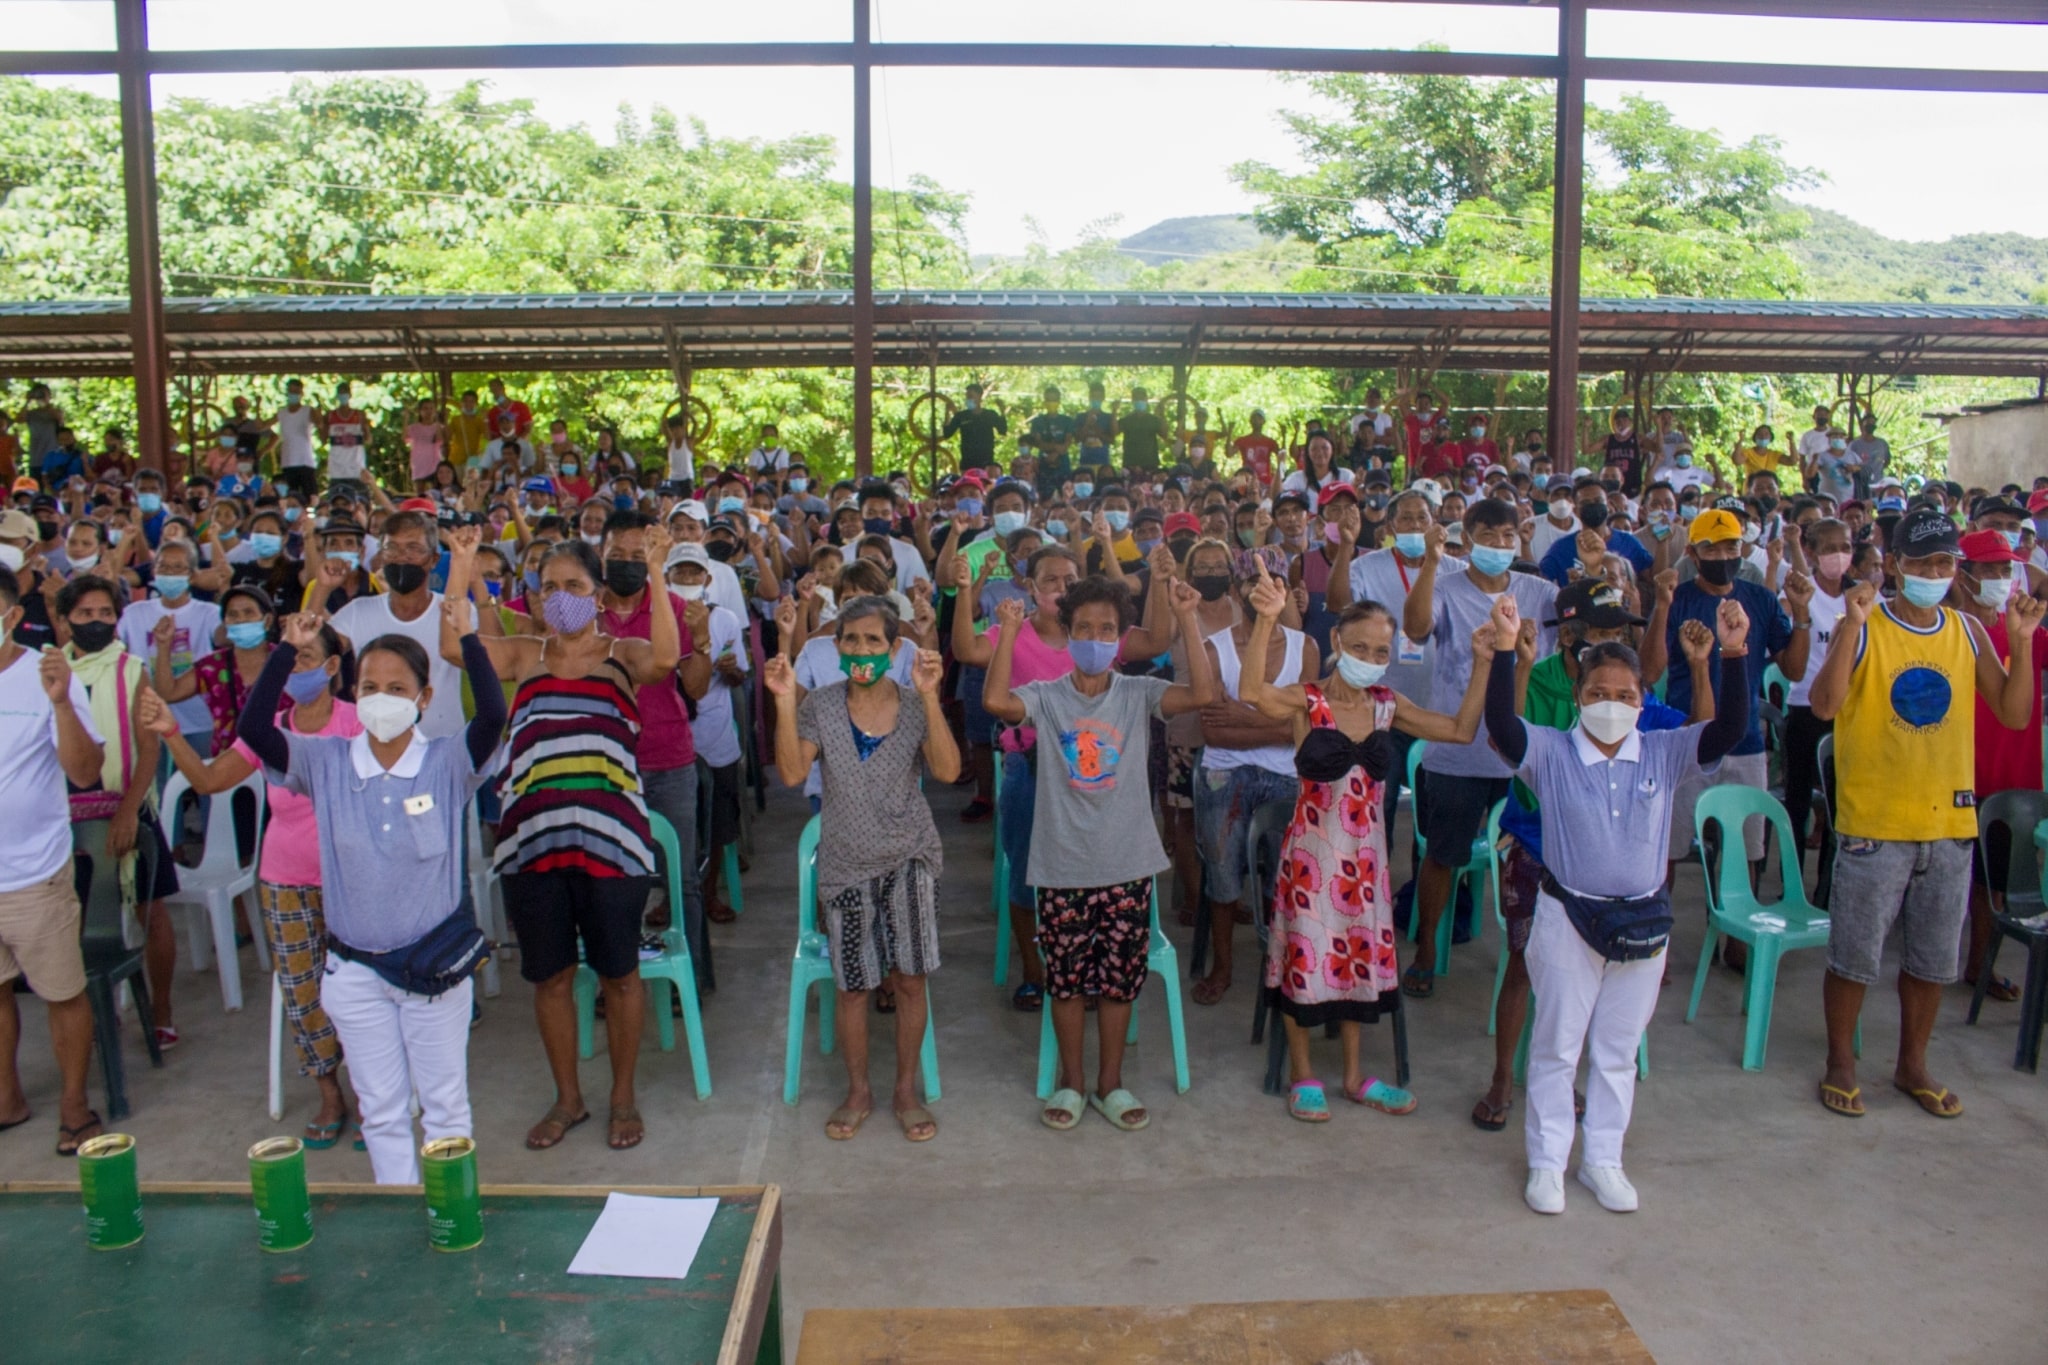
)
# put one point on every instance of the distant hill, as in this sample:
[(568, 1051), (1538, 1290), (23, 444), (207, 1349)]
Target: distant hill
[(1847, 261), (1180, 239)]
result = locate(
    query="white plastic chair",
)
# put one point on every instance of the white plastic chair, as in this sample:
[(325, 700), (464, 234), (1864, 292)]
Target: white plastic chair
[(221, 876), (486, 894), (276, 1049)]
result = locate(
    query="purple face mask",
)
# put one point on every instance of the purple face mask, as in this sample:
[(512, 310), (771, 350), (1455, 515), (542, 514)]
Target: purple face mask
[(566, 613)]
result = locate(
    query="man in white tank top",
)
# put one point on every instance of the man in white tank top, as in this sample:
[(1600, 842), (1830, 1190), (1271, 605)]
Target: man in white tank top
[(1247, 761)]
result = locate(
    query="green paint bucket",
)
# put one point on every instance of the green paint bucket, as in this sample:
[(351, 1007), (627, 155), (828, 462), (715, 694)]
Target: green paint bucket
[(455, 1211), (112, 1194), (277, 1179)]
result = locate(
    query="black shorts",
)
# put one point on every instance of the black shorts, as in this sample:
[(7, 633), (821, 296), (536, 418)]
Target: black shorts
[(725, 804), (550, 910), (1453, 813)]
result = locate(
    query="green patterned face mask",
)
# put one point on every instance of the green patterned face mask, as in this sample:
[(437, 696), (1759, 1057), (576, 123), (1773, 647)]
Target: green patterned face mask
[(864, 670)]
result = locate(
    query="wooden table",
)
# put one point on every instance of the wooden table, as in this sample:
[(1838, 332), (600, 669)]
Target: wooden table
[(1580, 1325), (368, 1287)]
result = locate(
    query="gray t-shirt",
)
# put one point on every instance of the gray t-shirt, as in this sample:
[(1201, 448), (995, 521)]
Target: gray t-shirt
[(1381, 577), (1461, 607), (1607, 821), (1093, 822), (875, 818)]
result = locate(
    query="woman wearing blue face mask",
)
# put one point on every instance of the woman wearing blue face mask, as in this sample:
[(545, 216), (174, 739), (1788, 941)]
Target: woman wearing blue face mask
[(222, 678), (262, 561), (1331, 954)]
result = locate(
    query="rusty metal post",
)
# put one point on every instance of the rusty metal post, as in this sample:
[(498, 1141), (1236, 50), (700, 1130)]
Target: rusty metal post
[(145, 270), (1566, 212), (863, 249)]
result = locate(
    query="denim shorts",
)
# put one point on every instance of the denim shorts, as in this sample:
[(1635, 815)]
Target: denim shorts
[(1224, 801), (1925, 887)]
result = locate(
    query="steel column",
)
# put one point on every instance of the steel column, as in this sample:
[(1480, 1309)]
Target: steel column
[(145, 271), (863, 248), (1567, 203)]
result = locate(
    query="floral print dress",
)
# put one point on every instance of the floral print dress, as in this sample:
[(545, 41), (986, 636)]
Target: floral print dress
[(1330, 954)]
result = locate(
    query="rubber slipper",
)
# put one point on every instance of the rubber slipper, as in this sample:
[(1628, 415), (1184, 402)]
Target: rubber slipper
[(17, 1123), (1388, 1099), (2001, 989), (624, 1128), (1417, 983), (1488, 1119), (1207, 992), (885, 1002), (848, 1119), (1933, 1101), (563, 1121), (83, 1133), (1307, 1102), (1029, 998), (1847, 1103), (1116, 1107), (915, 1117), (320, 1136), (1066, 1104)]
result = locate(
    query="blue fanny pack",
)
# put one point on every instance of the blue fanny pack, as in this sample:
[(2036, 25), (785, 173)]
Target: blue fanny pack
[(431, 965), (1619, 929)]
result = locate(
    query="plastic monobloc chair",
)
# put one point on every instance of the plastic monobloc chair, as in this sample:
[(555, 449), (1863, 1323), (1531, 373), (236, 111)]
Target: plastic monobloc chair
[(1162, 963), (1478, 863), (674, 967), (211, 887), (109, 961), (811, 965), (2020, 917), (1734, 911)]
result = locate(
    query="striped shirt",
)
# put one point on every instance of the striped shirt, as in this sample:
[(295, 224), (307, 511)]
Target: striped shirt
[(573, 799)]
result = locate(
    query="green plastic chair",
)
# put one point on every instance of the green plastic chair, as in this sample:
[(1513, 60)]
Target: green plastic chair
[(810, 965), (1500, 919), (1733, 910), (1478, 863), (1163, 964), (674, 966), (999, 891)]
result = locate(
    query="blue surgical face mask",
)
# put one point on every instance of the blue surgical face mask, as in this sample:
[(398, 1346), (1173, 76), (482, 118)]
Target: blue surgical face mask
[(266, 545), (1410, 544), (306, 685), (1139, 405), (172, 585), (292, 514), (1118, 521), (532, 580), (1146, 547), (150, 503), (1488, 560), (1007, 522), (1684, 461), (248, 634), (971, 506), (731, 505), (352, 558), (798, 485), (1359, 673), (2012, 538), (1923, 592), (1084, 489), (1056, 529), (1093, 657)]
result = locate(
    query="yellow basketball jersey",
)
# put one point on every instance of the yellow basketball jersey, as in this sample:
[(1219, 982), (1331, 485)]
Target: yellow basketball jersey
[(1906, 736)]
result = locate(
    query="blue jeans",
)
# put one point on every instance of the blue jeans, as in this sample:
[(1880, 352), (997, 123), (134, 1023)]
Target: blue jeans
[(1019, 803), (672, 794), (1224, 801)]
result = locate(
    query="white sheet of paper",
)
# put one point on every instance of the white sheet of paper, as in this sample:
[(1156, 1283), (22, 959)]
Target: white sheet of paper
[(645, 1237)]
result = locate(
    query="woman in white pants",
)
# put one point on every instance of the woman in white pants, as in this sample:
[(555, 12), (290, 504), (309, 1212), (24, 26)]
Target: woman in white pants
[(1603, 917), (389, 803)]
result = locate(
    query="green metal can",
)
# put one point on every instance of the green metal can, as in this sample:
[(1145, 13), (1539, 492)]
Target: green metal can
[(455, 1211), (113, 1197), (277, 1179)]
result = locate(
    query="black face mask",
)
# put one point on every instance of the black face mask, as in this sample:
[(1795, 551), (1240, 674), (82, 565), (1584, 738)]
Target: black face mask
[(1212, 586), (1611, 485), (1767, 501), (1719, 572), (405, 578), (47, 530), (92, 636), (624, 577), (876, 526), (720, 550)]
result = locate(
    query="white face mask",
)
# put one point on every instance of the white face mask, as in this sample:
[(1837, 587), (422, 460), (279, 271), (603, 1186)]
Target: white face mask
[(1994, 592), (87, 564), (693, 592), (1606, 721), (12, 557), (385, 716)]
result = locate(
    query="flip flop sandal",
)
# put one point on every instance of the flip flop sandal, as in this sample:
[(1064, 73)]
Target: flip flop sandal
[(1488, 1119), (563, 1121), (320, 1136), (848, 1120), (624, 1122), (83, 1133), (1307, 1102), (1029, 998), (1115, 1105), (1933, 1101), (1847, 1103), (885, 1002), (1388, 1099), (2001, 989), (1067, 1105), (917, 1116), (1418, 984), (17, 1123)]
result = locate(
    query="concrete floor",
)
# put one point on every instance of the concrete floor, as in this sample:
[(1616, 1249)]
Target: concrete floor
[(1770, 1230)]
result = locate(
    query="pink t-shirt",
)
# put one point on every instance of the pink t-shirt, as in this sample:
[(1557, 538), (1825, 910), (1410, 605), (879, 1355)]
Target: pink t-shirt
[(1033, 660), (424, 438), (291, 842)]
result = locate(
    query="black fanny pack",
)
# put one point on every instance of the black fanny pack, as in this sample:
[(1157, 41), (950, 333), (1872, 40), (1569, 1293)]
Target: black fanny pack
[(431, 965), (1619, 929)]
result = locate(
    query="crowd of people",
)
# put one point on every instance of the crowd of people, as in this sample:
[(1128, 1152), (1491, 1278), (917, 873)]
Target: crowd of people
[(1127, 636)]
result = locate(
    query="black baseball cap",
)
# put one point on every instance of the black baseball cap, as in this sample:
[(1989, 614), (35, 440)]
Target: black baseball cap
[(1595, 603), (1925, 531)]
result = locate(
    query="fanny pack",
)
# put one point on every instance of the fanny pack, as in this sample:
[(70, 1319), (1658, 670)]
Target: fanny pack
[(1620, 929), (431, 965)]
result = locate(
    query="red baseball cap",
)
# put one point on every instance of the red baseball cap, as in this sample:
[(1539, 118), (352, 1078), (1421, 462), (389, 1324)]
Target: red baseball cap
[(1334, 492), (419, 505), (2037, 500), (1183, 521), (1987, 547)]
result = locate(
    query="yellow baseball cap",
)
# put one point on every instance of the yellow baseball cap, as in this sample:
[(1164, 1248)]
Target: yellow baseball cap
[(1714, 524)]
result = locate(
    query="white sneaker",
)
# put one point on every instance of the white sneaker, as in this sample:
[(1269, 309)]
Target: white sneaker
[(1545, 1191), (1609, 1186)]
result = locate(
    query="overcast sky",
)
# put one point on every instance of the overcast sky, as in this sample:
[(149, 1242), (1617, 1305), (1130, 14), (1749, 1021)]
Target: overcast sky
[(1072, 148)]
